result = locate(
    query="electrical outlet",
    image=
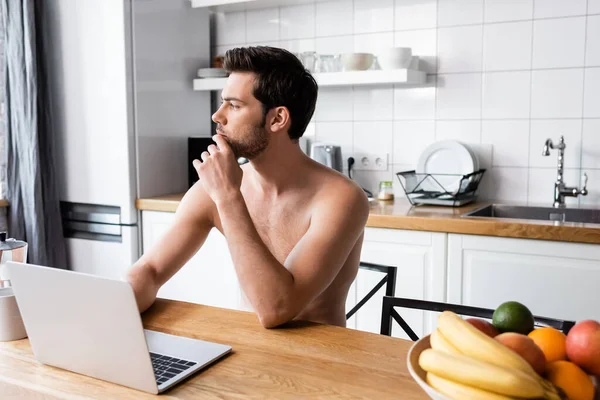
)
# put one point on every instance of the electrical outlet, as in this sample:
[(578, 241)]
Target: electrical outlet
[(371, 161)]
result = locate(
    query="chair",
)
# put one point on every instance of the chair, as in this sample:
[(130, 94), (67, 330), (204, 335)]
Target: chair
[(390, 302), (389, 280)]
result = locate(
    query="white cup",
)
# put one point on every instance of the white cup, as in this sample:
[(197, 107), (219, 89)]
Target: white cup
[(11, 324)]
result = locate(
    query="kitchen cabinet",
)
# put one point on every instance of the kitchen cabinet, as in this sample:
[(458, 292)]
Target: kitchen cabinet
[(207, 278), (420, 258), (554, 279)]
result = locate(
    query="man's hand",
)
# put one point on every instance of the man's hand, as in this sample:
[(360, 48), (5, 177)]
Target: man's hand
[(219, 172)]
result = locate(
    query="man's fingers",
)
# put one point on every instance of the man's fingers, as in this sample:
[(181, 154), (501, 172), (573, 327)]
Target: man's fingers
[(205, 155), (212, 149), (221, 142)]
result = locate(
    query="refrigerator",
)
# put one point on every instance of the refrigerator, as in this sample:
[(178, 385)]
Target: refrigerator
[(102, 92)]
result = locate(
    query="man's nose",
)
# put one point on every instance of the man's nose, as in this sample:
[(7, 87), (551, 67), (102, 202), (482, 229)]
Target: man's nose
[(218, 117)]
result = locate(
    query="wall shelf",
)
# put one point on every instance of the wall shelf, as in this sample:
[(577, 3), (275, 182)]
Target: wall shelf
[(242, 5), (408, 77)]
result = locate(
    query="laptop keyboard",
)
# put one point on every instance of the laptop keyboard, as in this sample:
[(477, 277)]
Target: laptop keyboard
[(166, 367)]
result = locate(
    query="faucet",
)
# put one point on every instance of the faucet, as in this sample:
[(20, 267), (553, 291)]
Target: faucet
[(561, 190)]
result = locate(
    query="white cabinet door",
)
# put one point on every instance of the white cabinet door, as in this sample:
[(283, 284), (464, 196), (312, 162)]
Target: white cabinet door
[(420, 258), (207, 278), (554, 279)]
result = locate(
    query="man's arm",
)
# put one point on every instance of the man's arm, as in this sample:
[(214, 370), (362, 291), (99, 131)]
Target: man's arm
[(280, 292), (193, 222)]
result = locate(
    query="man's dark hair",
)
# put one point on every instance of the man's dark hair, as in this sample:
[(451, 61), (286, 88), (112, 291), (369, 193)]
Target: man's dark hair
[(281, 80)]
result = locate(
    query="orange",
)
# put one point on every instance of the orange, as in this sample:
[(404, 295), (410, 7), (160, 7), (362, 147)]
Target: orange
[(552, 342), (576, 384)]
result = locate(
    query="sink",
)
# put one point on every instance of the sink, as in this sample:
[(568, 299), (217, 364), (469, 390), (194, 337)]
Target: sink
[(537, 213)]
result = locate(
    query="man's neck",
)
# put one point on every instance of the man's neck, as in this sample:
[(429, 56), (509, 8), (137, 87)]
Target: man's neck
[(276, 168)]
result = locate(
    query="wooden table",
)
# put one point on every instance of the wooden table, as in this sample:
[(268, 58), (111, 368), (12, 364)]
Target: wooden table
[(302, 360)]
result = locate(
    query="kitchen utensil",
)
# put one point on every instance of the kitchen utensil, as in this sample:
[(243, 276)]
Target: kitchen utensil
[(212, 73), (447, 158), (417, 373), (11, 324), (327, 63), (327, 154), (357, 61), (395, 58)]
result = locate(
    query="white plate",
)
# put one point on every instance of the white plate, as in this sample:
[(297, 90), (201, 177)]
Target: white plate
[(417, 373), (212, 73), (447, 157)]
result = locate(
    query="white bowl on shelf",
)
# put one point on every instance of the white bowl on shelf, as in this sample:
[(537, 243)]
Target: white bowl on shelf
[(357, 61), (395, 58), (212, 73)]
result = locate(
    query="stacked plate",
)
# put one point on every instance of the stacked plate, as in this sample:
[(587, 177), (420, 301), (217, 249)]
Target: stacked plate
[(447, 161), (212, 73)]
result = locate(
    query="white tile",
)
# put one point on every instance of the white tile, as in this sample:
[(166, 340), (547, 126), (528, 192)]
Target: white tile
[(459, 96), (559, 43), (506, 94), (541, 185), (508, 185), (334, 18), (590, 154), (591, 101), (415, 14), (508, 10), (298, 45), (592, 52), (510, 141), (297, 22), (507, 46), (410, 139), (423, 44), (370, 179), (460, 12), (334, 104), (415, 103), (221, 50), (230, 28), (558, 8), (335, 44), (593, 198), (338, 133), (373, 42), (262, 25), (373, 16), (484, 153), (468, 132), (557, 93), (459, 49), (593, 7), (553, 129), (373, 137), (373, 104)]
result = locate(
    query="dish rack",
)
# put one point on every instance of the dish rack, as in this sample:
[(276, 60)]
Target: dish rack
[(452, 190)]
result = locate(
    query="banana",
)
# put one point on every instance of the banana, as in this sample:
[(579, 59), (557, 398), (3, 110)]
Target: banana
[(439, 342), (458, 391), (474, 343), (482, 375)]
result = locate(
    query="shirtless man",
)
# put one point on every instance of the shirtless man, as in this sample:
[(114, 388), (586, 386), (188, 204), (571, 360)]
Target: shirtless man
[(294, 227)]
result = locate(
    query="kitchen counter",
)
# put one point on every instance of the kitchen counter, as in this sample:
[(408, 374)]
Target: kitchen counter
[(301, 360), (400, 214), (3, 203)]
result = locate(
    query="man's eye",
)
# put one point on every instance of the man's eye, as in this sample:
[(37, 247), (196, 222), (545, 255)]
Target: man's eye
[(233, 106)]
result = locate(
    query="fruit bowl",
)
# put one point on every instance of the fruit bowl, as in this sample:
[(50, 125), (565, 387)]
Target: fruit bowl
[(417, 372)]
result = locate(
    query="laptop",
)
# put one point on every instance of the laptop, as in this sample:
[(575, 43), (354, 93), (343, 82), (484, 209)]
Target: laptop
[(91, 325)]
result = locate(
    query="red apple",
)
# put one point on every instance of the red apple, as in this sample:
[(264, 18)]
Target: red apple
[(583, 345), (484, 326)]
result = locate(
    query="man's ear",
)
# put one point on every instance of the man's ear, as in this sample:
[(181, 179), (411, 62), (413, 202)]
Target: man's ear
[(279, 119)]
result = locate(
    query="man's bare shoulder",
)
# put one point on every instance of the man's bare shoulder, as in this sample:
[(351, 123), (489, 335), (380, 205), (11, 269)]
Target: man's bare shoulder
[(196, 205), (340, 193)]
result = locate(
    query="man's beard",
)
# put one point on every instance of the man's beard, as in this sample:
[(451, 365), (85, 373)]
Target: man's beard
[(255, 141)]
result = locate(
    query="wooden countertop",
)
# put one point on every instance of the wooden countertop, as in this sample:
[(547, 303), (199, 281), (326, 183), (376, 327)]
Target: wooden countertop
[(400, 214), (3, 203), (303, 360)]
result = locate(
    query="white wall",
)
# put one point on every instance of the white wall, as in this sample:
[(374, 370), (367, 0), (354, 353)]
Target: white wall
[(506, 75)]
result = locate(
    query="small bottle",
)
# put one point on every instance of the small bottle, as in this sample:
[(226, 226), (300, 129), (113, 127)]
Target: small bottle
[(386, 191)]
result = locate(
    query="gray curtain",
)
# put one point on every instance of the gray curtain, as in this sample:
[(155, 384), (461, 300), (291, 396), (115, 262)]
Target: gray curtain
[(34, 213)]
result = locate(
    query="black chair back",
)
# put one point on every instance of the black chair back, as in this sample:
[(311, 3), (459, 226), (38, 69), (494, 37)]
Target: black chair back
[(389, 280)]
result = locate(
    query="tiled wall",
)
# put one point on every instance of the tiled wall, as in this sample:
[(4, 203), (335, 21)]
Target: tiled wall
[(505, 75)]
